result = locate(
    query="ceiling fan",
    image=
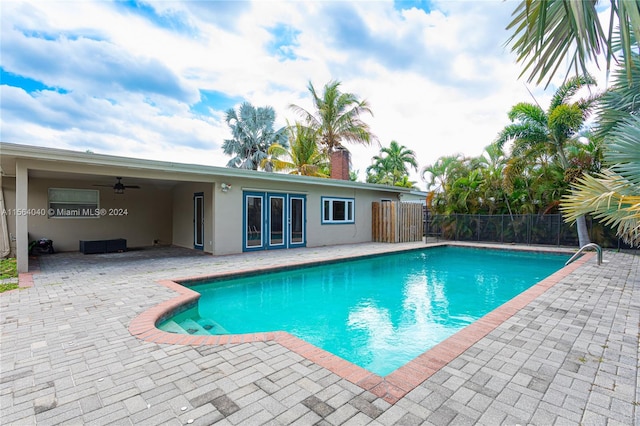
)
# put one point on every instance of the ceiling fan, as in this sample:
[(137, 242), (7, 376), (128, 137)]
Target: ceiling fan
[(119, 187)]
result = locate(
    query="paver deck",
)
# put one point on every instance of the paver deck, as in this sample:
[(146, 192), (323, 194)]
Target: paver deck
[(566, 353)]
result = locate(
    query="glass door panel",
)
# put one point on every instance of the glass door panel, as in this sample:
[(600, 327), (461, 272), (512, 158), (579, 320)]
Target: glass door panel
[(198, 221), (253, 221), (296, 221), (276, 221)]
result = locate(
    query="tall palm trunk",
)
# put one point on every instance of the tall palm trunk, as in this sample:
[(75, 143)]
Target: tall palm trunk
[(583, 232), (581, 221)]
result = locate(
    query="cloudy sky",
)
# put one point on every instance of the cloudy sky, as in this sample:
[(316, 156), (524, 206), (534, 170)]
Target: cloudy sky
[(154, 79)]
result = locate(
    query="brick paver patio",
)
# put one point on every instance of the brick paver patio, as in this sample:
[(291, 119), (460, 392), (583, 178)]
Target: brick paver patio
[(565, 353)]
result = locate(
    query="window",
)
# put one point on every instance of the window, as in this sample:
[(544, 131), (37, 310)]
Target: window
[(337, 210), (66, 202)]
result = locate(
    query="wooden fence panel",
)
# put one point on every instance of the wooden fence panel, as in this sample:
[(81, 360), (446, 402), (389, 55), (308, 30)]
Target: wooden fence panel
[(411, 222), (396, 222)]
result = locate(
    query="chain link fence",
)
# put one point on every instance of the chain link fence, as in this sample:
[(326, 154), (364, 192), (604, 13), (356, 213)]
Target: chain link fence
[(549, 229)]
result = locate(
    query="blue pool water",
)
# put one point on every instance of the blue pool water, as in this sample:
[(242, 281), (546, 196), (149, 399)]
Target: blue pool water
[(379, 312)]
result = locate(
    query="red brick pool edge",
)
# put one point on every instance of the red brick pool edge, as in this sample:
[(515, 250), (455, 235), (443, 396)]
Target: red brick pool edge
[(391, 387)]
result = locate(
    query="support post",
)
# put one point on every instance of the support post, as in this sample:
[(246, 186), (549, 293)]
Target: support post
[(22, 221)]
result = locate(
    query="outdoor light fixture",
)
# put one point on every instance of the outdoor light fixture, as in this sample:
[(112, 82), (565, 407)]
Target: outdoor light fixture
[(118, 188), (225, 187)]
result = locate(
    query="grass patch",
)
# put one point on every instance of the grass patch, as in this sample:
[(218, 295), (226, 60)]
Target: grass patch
[(8, 268), (7, 287)]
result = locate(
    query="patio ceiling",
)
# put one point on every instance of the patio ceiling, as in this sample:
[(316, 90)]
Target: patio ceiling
[(104, 180)]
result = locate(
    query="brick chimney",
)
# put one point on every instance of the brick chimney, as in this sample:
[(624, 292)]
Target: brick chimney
[(340, 159)]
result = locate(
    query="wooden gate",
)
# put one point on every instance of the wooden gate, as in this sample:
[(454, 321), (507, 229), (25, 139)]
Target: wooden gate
[(394, 222)]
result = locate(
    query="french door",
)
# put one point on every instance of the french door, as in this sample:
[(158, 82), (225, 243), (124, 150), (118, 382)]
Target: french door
[(273, 221)]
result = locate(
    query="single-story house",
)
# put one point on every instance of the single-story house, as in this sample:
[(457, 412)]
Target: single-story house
[(77, 199)]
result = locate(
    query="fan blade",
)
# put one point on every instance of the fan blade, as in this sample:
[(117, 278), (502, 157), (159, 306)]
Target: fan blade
[(119, 185)]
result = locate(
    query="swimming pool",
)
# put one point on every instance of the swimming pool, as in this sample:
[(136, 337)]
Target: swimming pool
[(379, 312)]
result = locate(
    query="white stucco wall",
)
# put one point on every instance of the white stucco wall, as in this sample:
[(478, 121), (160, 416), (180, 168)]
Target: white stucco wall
[(183, 210), (228, 217), (141, 216)]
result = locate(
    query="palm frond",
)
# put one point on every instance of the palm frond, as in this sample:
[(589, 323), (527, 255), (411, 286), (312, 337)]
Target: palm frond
[(527, 112), (528, 133), (629, 25), (621, 100), (567, 90), (565, 120), (623, 149), (609, 198), (548, 34)]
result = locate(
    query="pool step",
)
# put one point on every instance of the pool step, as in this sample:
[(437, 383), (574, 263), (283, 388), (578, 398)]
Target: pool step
[(193, 327), (202, 326), (172, 327), (211, 326)]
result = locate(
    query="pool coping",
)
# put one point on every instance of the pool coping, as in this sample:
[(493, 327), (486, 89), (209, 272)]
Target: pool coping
[(391, 387)]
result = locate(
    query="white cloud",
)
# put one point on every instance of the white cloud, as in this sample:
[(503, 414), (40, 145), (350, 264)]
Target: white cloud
[(439, 82)]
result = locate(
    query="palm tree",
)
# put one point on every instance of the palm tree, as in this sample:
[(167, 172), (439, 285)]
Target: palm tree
[(440, 177), (549, 34), (406, 183), (613, 196), (253, 134), (536, 133), (585, 155), (303, 156), (391, 166), (464, 194), (336, 118), (544, 34), (440, 172), (492, 164), (377, 172)]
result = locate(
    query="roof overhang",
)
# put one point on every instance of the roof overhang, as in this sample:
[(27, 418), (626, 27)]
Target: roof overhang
[(68, 160)]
